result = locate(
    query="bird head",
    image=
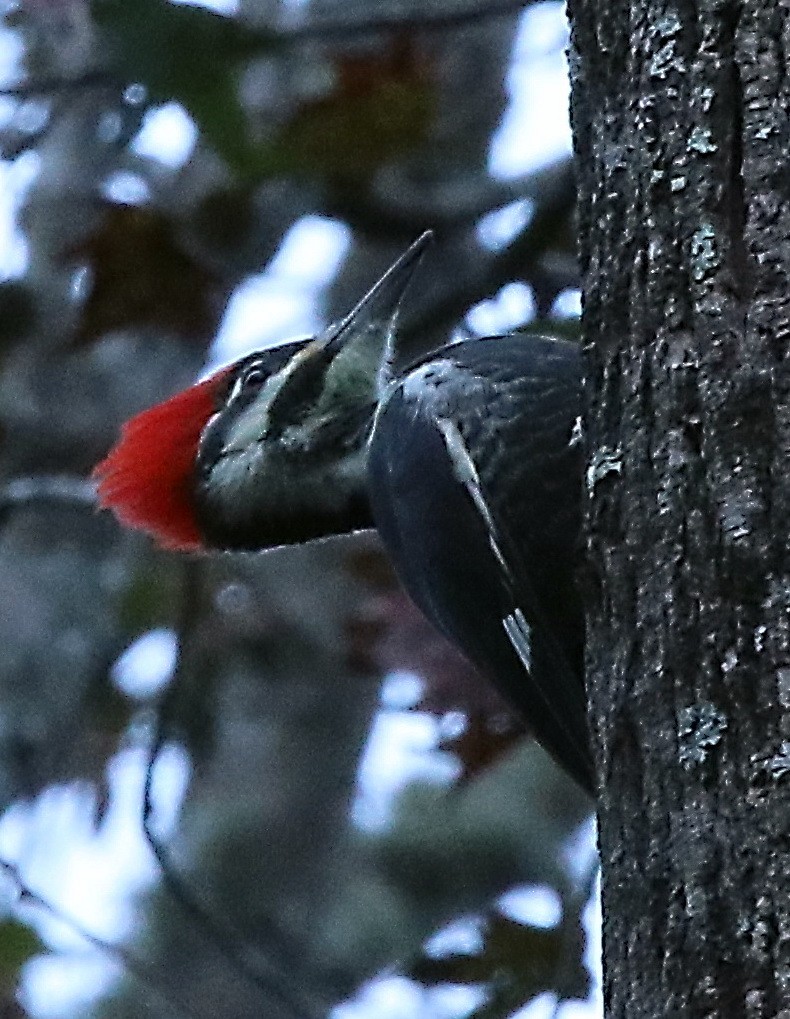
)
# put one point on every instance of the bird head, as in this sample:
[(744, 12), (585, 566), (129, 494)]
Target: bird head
[(270, 450)]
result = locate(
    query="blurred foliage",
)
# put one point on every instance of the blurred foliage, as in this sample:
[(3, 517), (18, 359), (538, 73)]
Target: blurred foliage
[(517, 963), (379, 107), (16, 313), (141, 276), (189, 54), (18, 944), (375, 107), (275, 690)]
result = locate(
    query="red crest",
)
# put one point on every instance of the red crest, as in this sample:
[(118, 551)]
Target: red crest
[(147, 478)]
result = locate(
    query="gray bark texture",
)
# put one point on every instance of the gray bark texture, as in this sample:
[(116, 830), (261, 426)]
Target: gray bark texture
[(681, 120)]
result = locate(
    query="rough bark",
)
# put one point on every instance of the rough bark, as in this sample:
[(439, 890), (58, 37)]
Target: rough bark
[(680, 115)]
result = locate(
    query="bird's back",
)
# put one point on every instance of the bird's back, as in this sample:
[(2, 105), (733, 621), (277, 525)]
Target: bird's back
[(475, 478)]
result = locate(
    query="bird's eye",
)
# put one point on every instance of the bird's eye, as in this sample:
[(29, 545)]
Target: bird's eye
[(253, 378), (250, 380)]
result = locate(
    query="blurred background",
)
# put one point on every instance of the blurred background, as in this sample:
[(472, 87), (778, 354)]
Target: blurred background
[(349, 823)]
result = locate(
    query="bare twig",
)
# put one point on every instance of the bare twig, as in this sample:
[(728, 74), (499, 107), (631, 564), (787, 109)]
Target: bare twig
[(222, 934), (400, 209), (46, 489), (513, 262), (94, 78), (67, 490), (139, 969)]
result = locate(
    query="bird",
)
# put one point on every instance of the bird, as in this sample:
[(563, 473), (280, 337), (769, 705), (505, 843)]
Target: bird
[(468, 462)]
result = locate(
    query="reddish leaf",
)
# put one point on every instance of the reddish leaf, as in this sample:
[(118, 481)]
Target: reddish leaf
[(142, 276), (512, 953), (379, 108), (482, 740), (391, 634)]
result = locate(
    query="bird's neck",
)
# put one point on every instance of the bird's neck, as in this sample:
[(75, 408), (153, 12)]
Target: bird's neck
[(291, 501)]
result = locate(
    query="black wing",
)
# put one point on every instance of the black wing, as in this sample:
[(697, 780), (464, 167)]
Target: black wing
[(475, 470)]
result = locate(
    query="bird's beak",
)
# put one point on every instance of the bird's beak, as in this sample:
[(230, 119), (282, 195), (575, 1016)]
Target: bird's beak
[(381, 304), (351, 356)]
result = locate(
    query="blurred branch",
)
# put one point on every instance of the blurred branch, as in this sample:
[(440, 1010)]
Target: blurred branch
[(434, 21), (272, 39), (513, 262), (222, 934), (46, 489), (96, 78), (572, 920), (148, 976), (398, 208)]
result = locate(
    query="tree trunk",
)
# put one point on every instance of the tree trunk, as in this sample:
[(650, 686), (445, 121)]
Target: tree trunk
[(681, 127)]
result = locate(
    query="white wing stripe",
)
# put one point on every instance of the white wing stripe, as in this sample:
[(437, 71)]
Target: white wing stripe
[(516, 626), (466, 473), (517, 629)]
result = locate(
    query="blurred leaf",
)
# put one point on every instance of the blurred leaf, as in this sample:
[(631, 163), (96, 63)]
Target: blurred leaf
[(18, 943), (191, 55), (106, 714), (517, 962), (141, 276), (511, 950), (16, 312), (226, 221), (152, 596), (371, 566), (482, 740), (393, 635), (381, 107)]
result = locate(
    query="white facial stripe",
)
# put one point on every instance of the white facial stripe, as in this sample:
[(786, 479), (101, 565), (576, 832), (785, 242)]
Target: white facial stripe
[(252, 424), (238, 385)]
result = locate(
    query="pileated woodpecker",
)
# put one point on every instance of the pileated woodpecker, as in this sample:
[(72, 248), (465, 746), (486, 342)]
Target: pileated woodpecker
[(469, 464)]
